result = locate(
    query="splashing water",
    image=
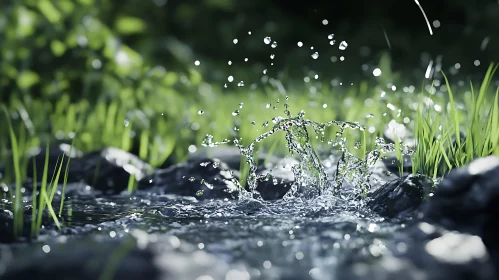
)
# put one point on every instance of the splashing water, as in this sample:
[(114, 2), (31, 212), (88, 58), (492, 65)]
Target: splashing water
[(424, 14), (310, 178)]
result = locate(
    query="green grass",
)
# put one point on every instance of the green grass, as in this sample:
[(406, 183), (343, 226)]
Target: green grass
[(440, 146)]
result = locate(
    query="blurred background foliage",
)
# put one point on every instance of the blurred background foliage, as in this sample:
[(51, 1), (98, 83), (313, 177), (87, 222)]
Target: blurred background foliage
[(89, 66), (81, 46)]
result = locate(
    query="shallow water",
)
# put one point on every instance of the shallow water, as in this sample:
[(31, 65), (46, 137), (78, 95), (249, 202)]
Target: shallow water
[(288, 239)]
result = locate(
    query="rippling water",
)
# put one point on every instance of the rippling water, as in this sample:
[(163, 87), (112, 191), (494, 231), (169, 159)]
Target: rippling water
[(288, 239)]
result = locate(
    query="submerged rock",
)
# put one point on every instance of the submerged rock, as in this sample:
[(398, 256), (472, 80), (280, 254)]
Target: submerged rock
[(401, 197), (202, 178), (109, 170), (426, 252), (85, 260), (279, 181), (136, 256), (37, 158), (467, 200)]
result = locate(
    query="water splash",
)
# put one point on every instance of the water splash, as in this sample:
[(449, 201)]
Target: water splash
[(310, 178), (424, 14)]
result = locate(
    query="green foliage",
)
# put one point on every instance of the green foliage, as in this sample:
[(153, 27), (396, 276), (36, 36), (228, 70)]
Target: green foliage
[(440, 145)]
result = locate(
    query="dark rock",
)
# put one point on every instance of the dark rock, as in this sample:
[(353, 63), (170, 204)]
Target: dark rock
[(109, 170), (427, 252), (2, 171), (401, 197), (37, 158), (7, 226), (86, 260), (380, 175), (467, 200), (6, 221), (203, 178), (279, 181), (393, 164), (135, 256)]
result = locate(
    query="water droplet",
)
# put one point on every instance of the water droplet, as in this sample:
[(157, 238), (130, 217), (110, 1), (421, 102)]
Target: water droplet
[(369, 116), (315, 55), (240, 84), (126, 122), (246, 59), (325, 22), (274, 45), (249, 32), (199, 193), (343, 45), (230, 79), (192, 179), (241, 105), (267, 40), (197, 62), (264, 71), (330, 36), (267, 105), (266, 123), (235, 113), (230, 62), (332, 42), (377, 72), (253, 122), (272, 56), (200, 112), (300, 44), (235, 41)]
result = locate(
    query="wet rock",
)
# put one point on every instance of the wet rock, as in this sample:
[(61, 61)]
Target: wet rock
[(279, 181), (401, 197), (232, 157), (6, 221), (37, 158), (426, 252), (7, 227), (136, 256), (85, 260), (203, 178), (467, 200), (380, 175), (393, 164), (2, 171), (109, 170)]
